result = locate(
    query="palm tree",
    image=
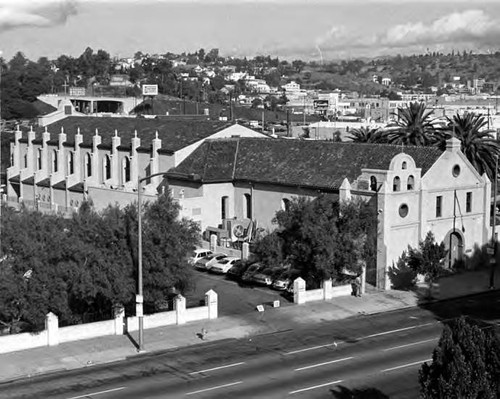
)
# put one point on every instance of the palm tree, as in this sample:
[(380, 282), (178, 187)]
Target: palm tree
[(414, 126), (478, 143), (366, 134)]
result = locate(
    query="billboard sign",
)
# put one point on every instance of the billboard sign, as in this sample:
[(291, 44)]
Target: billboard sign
[(149, 90), (320, 105)]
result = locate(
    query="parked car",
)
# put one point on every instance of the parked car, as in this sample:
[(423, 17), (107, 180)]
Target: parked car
[(239, 268), (198, 254), (285, 279), (282, 282), (251, 271), (207, 262), (262, 278), (224, 265)]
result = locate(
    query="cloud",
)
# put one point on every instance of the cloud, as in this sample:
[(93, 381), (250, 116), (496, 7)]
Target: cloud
[(460, 29), (40, 13), (471, 26)]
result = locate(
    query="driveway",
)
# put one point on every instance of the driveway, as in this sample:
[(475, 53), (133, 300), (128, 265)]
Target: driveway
[(233, 298)]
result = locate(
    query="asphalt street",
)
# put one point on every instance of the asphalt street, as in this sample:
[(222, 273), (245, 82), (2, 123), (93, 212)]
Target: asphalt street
[(374, 357)]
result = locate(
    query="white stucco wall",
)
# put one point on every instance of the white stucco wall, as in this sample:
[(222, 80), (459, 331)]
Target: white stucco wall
[(397, 232)]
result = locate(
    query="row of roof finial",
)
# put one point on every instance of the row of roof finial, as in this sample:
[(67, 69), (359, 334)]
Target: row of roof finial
[(78, 131)]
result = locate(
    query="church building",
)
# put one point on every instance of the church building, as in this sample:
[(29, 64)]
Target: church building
[(244, 181)]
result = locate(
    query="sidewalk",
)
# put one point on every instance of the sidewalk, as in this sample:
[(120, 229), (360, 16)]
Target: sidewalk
[(106, 349)]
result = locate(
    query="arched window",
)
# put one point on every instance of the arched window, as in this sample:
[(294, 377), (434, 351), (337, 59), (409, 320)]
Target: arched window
[(403, 165), (126, 169), (71, 162), (248, 205), (54, 161), (88, 164), (224, 207), (39, 159), (11, 159), (373, 183), (107, 167), (396, 184), (26, 159), (285, 204), (411, 183)]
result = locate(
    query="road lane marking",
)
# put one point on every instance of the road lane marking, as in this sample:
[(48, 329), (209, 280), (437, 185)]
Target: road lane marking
[(314, 387), (323, 364), (398, 330), (313, 348), (406, 365), (413, 343), (97, 393), (217, 368), (212, 388)]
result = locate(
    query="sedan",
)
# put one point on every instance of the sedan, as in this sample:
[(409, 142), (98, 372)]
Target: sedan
[(208, 261), (223, 266), (262, 278)]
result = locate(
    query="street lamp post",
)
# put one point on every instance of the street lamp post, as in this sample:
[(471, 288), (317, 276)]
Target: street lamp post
[(139, 298)]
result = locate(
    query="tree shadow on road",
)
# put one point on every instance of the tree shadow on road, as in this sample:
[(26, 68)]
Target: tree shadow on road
[(341, 392)]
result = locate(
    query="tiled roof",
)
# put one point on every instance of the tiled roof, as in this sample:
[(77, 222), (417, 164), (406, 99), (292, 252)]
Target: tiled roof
[(30, 180), (175, 134), (15, 179), (44, 182), (318, 164), (60, 185), (78, 187)]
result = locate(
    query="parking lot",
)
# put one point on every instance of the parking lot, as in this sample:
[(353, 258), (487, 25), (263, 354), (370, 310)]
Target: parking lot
[(233, 297)]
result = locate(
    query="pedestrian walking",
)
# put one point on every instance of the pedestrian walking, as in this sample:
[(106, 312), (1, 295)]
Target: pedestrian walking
[(357, 282)]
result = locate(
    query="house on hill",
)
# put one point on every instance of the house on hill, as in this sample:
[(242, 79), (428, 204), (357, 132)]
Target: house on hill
[(57, 167), (232, 184)]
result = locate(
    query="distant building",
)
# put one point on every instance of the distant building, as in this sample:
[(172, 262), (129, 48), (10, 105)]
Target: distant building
[(120, 80)]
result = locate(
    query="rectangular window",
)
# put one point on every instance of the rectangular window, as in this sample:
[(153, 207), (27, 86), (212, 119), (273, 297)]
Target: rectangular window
[(439, 205), (468, 202)]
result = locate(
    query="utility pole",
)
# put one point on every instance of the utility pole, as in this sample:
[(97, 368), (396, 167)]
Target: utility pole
[(139, 298)]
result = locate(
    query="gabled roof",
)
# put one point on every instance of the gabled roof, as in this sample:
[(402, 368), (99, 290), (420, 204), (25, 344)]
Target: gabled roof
[(318, 164), (175, 134)]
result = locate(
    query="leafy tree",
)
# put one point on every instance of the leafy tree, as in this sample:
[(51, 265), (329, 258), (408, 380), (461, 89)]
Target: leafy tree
[(366, 134), (94, 264), (428, 258), (465, 364), (414, 126), (402, 276), (477, 142), (321, 237), (166, 242)]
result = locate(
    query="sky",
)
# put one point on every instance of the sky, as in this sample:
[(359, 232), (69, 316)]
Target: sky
[(290, 29)]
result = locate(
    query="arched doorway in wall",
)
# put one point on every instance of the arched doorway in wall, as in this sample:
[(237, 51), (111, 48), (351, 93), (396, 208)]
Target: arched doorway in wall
[(454, 243)]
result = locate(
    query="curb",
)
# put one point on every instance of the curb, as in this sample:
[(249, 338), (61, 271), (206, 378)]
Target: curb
[(48, 375)]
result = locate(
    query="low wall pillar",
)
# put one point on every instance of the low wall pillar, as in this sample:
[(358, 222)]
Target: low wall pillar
[(52, 327), (213, 242), (299, 290), (118, 315), (327, 289), (180, 309), (211, 301), (245, 250)]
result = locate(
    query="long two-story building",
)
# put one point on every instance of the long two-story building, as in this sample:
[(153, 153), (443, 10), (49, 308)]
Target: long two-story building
[(56, 167)]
